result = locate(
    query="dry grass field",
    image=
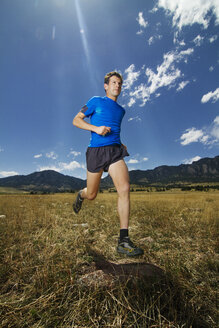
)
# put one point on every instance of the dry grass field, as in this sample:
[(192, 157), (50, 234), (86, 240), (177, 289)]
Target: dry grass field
[(61, 270)]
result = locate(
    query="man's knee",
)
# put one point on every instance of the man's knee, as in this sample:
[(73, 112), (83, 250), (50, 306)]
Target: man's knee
[(91, 195), (124, 189)]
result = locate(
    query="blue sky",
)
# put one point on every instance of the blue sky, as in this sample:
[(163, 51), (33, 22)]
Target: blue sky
[(55, 53)]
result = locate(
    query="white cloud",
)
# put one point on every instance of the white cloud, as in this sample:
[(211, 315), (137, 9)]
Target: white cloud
[(166, 75), (216, 120), (139, 32), (192, 135), (141, 21), (213, 38), (208, 135), (182, 43), (183, 53), (132, 77), (136, 118), (215, 129), (214, 96), (211, 68), (137, 159), (177, 41), (187, 12), (133, 161), (198, 40), (154, 10), (4, 174), (69, 166), (141, 92), (75, 153), (38, 156), (159, 37), (1, 149), (153, 38), (191, 160), (62, 166), (131, 102), (52, 155), (182, 85)]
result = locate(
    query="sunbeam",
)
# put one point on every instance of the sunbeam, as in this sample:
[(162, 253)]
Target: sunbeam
[(82, 27), (90, 61)]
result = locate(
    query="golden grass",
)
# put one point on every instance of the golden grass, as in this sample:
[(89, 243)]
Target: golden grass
[(9, 190), (45, 249)]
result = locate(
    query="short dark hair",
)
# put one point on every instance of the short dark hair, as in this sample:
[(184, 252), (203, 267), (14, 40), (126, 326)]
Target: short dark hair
[(110, 74)]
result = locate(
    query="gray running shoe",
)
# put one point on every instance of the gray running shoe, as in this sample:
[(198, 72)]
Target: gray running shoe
[(78, 202), (126, 246)]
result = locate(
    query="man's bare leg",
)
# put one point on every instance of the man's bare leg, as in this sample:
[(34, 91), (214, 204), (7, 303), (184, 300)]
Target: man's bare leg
[(90, 192), (120, 176), (93, 182)]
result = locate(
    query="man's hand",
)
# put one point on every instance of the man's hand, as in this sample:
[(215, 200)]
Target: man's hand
[(124, 146), (102, 130)]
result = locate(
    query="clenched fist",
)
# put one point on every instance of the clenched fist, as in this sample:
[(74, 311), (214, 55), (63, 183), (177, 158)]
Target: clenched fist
[(103, 130)]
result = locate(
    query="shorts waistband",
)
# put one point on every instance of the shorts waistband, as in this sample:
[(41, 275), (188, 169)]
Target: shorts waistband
[(112, 145)]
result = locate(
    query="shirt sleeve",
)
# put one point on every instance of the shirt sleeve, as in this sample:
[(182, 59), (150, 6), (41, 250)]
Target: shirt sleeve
[(90, 107)]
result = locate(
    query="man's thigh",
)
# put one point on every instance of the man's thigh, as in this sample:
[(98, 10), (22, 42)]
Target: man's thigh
[(119, 174), (93, 182)]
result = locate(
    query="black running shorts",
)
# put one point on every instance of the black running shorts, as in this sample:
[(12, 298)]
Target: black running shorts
[(100, 158)]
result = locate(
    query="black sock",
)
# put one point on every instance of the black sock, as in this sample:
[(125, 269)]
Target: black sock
[(123, 233)]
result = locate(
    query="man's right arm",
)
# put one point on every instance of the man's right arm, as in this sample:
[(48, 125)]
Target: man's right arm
[(80, 123)]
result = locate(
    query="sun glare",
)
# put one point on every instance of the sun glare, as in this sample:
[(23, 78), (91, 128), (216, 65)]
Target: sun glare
[(82, 31)]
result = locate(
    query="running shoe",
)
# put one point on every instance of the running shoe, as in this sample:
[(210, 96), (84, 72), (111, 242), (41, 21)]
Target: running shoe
[(78, 202), (126, 246)]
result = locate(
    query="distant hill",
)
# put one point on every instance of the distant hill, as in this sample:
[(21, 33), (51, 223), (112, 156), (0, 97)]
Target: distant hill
[(204, 170), (45, 181)]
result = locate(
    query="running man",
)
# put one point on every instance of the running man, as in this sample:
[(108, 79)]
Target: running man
[(105, 153)]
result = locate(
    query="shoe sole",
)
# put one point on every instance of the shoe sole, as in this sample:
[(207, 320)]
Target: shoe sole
[(76, 210), (130, 254)]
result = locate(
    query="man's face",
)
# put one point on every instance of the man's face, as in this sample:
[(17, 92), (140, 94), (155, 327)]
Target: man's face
[(114, 87)]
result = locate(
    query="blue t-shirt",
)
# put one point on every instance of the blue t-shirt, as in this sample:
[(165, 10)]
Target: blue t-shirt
[(104, 111)]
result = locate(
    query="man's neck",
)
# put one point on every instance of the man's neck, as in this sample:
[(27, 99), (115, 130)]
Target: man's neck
[(112, 97)]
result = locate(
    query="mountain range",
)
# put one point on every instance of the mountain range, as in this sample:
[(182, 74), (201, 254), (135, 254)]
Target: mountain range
[(204, 170), (44, 181)]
